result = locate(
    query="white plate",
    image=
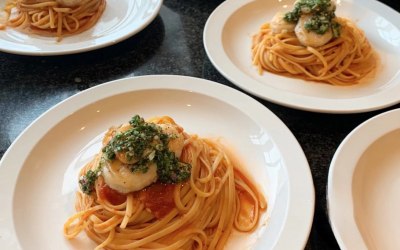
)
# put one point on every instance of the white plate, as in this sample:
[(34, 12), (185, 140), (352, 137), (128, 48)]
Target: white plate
[(39, 171), (120, 20), (364, 185), (227, 39)]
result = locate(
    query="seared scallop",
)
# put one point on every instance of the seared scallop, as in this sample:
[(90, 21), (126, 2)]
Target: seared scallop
[(310, 38), (176, 141), (118, 173), (279, 25), (120, 177)]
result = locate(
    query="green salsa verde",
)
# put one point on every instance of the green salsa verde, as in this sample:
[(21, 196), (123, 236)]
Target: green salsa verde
[(146, 143), (322, 16)]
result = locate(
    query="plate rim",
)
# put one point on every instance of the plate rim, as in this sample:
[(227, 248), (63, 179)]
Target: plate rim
[(11, 50), (301, 201), (213, 44), (347, 154)]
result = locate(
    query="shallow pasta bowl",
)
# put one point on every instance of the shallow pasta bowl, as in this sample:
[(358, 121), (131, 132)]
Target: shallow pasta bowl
[(228, 36), (38, 173), (363, 185), (121, 19)]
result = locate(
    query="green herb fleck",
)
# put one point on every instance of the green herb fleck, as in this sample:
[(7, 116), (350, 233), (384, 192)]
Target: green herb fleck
[(135, 143), (169, 169), (86, 182), (147, 144), (322, 16), (336, 29), (318, 24), (141, 166)]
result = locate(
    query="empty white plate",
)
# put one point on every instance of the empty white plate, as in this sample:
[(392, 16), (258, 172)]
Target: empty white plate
[(228, 36), (38, 174), (364, 185), (120, 20)]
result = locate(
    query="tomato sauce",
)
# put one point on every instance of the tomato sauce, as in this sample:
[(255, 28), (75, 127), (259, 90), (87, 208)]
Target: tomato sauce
[(112, 195), (247, 211), (158, 198)]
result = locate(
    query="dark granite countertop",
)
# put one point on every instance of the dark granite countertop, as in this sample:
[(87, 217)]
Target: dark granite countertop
[(171, 44)]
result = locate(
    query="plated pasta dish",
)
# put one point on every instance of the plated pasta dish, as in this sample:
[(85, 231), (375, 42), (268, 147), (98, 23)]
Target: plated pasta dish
[(310, 42), (54, 18), (154, 186)]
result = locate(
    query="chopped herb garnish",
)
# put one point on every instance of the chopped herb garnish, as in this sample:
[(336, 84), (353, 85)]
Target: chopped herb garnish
[(169, 169), (336, 29), (144, 144), (86, 182), (322, 16), (136, 142), (141, 166), (318, 24)]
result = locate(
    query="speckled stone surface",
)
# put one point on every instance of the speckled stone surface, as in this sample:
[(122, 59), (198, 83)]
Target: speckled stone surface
[(171, 44)]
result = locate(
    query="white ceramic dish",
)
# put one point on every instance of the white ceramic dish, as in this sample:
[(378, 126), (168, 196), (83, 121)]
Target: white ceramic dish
[(121, 19), (39, 171), (364, 185), (227, 39)]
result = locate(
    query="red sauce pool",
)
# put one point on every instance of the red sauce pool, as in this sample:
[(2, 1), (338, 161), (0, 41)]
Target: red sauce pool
[(112, 195), (158, 198)]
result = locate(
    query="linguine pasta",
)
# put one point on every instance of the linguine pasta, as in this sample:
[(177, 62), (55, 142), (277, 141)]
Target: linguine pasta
[(311, 43), (53, 17), (199, 213)]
